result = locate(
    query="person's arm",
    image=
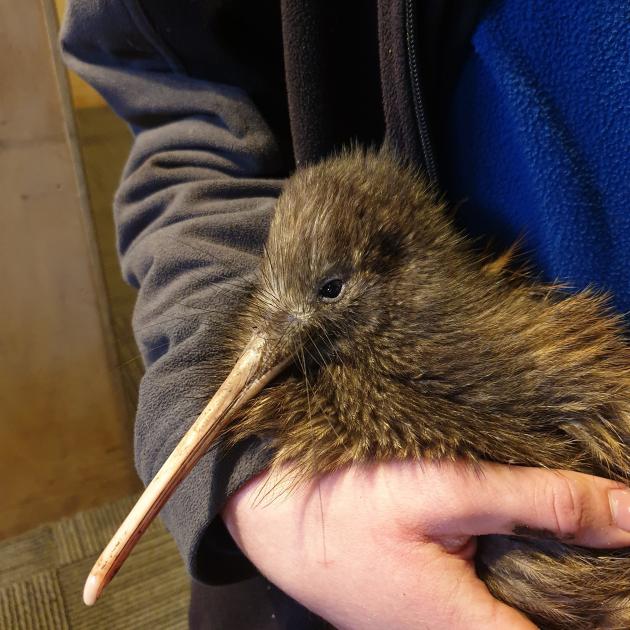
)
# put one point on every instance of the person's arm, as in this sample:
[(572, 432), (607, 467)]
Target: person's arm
[(191, 211), (391, 545)]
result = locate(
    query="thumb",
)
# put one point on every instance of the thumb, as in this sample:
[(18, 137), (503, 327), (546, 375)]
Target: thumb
[(477, 608), (570, 506)]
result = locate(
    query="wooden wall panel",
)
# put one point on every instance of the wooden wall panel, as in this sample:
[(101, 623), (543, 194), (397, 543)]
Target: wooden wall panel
[(64, 438)]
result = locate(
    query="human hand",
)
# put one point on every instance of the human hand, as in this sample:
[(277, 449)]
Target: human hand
[(391, 545)]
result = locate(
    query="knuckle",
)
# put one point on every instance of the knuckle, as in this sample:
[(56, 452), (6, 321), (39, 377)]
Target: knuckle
[(567, 507)]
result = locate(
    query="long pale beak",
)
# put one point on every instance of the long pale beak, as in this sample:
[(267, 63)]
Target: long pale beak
[(248, 377)]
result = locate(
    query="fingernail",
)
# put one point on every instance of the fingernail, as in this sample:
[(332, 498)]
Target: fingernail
[(620, 508)]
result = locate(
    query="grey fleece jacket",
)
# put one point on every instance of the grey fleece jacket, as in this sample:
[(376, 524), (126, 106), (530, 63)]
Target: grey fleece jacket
[(191, 213)]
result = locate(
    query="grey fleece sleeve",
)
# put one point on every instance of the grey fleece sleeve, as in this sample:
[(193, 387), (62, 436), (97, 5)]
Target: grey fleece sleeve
[(191, 212)]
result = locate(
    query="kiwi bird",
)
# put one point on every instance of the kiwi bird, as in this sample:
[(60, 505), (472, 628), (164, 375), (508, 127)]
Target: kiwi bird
[(375, 331)]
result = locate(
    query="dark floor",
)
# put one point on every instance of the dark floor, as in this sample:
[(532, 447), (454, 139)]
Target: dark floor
[(43, 571)]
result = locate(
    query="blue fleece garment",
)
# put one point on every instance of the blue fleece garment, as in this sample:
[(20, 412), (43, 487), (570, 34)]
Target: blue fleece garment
[(539, 137)]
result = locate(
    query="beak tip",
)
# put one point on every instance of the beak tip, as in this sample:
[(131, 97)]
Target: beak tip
[(90, 591), (248, 376)]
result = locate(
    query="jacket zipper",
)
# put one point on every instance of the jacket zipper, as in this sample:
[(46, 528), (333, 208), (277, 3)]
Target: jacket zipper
[(418, 105)]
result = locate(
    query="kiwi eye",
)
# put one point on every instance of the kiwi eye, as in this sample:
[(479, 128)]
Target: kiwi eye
[(331, 289)]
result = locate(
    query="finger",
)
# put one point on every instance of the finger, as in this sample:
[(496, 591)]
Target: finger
[(480, 610), (466, 602), (570, 506)]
